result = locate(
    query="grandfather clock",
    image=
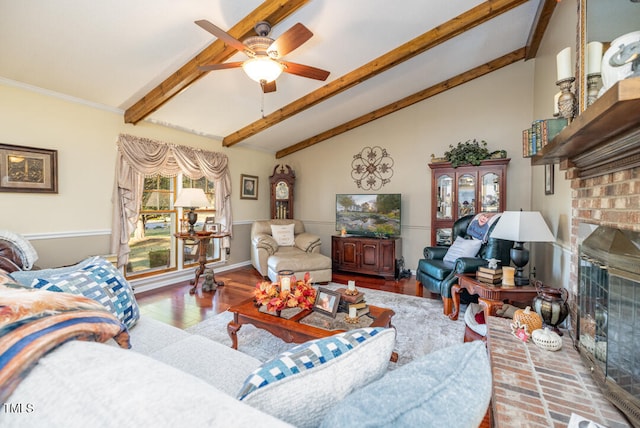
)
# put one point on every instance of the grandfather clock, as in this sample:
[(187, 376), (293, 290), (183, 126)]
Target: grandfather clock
[(282, 182)]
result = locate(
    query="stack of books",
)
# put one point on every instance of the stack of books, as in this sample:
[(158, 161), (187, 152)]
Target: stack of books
[(542, 131), (361, 308), (350, 300), (489, 276)]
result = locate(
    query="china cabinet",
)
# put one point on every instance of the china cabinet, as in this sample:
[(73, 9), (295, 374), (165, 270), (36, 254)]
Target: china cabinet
[(467, 189), (281, 183)]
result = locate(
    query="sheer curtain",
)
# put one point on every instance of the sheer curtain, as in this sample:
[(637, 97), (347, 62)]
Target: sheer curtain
[(139, 157)]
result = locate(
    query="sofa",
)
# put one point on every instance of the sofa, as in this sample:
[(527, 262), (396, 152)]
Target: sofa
[(126, 369), (281, 244)]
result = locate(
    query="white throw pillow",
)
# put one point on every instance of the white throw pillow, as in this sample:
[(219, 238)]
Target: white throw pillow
[(462, 248), (283, 234)]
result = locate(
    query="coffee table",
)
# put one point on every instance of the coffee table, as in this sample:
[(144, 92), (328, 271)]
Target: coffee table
[(292, 330)]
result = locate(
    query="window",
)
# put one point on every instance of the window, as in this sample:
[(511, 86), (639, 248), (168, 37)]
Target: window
[(139, 157), (153, 246), (190, 248), (152, 240)]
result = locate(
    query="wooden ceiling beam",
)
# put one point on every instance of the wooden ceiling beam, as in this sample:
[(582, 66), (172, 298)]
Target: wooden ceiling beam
[(443, 86), (539, 26), (450, 29), (273, 11)]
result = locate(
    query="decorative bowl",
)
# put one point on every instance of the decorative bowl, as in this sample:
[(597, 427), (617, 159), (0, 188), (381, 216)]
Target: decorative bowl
[(547, 339)]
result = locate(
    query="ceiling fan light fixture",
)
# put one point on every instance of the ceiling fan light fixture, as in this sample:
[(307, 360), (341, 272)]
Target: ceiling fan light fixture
[(262, 69)]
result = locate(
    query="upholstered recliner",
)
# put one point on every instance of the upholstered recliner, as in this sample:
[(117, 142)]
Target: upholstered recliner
[(300, 255), (438, 276)]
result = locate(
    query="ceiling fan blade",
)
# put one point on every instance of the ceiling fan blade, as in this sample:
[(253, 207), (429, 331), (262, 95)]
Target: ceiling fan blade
[(305, 70), (224, 65), (289, 40), (224, 36), (268, 87)]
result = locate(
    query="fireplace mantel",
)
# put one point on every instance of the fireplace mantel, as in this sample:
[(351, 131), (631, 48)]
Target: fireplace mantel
[(604, 138)]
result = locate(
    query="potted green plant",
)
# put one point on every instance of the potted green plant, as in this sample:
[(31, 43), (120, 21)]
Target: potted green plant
[(470, 152)]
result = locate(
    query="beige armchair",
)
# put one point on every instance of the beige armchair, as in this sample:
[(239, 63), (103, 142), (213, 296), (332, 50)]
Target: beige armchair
[(300, 255)]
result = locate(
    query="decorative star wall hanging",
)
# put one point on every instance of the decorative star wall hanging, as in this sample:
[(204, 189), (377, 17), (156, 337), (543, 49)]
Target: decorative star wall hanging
[(372, 168)]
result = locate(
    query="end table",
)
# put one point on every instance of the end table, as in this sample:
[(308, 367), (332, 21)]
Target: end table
[(203, 242), (490, 294)]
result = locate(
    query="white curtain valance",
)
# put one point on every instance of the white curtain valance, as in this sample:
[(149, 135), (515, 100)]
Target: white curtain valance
[(139, 157)]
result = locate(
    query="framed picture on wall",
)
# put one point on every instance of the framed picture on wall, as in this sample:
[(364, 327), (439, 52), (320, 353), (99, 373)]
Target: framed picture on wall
[(28, 169), (548, 179), (248, 186)]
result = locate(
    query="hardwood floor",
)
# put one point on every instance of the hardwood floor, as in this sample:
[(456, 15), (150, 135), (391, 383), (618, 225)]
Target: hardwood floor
[(174, 305)]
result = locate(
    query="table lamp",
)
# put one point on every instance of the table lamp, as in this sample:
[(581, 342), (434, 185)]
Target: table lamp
[(192, 199), (520, 227)]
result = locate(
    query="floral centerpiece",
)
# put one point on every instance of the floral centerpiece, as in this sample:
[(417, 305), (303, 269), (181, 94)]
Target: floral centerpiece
[(300, 295)]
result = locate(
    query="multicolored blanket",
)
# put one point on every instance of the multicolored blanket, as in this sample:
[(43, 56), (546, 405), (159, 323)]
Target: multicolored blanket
[(34, 322)]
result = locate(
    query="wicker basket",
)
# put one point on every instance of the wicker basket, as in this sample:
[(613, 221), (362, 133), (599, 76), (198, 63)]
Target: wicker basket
[(527, 317), (547, 339)]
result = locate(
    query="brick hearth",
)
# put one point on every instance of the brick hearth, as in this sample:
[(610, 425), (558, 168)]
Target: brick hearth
[(537, 388)]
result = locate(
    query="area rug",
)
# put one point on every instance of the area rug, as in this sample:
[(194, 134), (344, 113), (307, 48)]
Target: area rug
[(420, 324)]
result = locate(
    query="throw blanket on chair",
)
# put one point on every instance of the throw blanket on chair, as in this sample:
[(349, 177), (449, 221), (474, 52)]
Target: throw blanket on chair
[(481, 224)]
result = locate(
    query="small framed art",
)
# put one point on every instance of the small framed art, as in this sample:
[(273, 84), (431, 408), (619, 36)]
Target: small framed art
[(28, 169), (548, 179), (248, 186), (327, 302)]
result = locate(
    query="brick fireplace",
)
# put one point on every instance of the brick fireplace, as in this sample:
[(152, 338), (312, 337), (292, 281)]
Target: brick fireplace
[(607, 200), (600, 154)]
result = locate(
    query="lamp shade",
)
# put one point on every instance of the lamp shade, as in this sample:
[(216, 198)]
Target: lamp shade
[(522, 226), (262, 69), (191, 198)]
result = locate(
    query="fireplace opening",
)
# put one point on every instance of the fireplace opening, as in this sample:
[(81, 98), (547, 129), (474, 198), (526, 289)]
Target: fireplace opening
[(608, 326)]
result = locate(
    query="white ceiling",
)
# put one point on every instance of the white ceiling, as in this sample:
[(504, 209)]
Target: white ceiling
[(111, 53)]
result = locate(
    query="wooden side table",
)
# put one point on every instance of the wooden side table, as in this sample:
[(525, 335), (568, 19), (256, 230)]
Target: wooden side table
[(203, 242), (489, 294)]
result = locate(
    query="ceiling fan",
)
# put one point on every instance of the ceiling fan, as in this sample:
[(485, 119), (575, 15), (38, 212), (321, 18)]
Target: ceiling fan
[(264, 64)]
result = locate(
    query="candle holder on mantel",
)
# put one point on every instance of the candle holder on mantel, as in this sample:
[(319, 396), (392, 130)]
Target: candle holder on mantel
[(593, 86), (567, 100)]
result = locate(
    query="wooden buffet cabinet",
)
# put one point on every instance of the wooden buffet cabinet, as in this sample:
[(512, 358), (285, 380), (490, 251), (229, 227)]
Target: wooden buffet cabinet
[(366, 255), (467, 189)]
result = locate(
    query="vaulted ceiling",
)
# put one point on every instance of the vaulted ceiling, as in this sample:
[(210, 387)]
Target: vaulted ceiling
[(141, 58)]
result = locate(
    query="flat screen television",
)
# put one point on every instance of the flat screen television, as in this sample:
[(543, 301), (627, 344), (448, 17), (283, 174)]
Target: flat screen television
[(371, 215)]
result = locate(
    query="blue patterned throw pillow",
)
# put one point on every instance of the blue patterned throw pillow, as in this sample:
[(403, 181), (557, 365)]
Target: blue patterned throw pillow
[(300, 385), (99, 280)]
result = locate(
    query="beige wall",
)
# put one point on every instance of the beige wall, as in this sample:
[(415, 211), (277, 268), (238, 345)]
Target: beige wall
[(552, 260), (494, 108), (58, 224)]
